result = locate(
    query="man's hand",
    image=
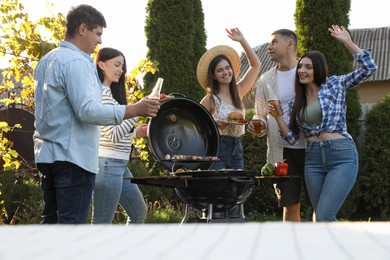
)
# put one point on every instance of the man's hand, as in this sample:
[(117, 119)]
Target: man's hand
[(250, 128), (145, 107)]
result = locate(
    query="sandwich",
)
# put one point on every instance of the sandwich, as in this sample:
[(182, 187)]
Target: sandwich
[(236, 117)]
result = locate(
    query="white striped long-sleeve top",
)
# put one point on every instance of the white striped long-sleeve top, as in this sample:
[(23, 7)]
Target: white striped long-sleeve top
[(115, 140)]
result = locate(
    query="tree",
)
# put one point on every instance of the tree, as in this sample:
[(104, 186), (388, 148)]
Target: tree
[(176, 40)]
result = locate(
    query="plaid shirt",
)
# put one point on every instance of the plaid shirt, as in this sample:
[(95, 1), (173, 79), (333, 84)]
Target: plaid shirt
[(332, 99)]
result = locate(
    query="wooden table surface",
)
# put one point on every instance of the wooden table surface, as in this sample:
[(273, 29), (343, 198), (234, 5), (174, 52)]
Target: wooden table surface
[(251, 240)]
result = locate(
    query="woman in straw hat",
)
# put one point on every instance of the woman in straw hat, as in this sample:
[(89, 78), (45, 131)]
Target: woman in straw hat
[(216, 72)]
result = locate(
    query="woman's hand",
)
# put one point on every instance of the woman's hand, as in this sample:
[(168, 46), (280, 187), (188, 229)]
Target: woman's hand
[(341, 34), (235, 34), (273, 112), (221, 124), (141, 130)]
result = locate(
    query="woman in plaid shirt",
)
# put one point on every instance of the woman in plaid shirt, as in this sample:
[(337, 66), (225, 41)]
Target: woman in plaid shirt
[(319, 110)]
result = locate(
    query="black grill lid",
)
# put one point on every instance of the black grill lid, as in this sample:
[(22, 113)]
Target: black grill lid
[(183, 127)]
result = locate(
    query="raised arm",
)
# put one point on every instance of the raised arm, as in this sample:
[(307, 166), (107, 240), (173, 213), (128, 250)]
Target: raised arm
[(247, 81)]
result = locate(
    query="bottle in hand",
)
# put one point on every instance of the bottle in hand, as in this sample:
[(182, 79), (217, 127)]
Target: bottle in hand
[(274, 102), (156, 89), (278, 111)]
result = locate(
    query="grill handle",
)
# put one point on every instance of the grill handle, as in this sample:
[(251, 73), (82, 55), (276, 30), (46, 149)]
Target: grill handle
[(248, 180)]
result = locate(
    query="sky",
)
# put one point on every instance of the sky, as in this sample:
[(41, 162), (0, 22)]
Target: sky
[(126, 20)]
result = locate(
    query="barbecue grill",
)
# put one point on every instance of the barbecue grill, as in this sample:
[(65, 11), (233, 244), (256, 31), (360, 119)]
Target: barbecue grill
[(184, 127)]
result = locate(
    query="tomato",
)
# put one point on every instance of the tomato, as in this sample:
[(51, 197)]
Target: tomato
[(281, 169), (162, 96), (267, 170), (243, 121)]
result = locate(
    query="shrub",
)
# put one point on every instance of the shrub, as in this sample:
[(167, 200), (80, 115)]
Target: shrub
[(376, 177), (22, 197)]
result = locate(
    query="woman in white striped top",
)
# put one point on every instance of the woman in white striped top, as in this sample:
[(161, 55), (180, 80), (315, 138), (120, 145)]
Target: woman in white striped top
[(111, 189)]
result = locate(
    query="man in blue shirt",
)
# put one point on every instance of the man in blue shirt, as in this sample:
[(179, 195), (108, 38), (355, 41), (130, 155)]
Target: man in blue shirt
[(67, 118)]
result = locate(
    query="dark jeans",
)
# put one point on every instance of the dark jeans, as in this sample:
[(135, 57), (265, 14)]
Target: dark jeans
[(67, 192), (230, 153)]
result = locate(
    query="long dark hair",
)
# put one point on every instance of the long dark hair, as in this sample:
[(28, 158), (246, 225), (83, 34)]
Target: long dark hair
[(320, 69), (215, 85), (118, 89)]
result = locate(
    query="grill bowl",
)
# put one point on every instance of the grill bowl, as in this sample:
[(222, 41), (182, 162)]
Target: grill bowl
[(183, 127), (222, 189)]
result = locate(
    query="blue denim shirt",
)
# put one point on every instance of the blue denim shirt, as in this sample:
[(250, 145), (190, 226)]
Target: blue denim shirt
[(68, 110)]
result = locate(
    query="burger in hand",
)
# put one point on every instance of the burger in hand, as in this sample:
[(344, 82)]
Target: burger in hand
[(236, 117)]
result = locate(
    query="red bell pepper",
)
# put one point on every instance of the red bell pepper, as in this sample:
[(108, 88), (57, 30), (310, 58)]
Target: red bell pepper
[(281, 169)]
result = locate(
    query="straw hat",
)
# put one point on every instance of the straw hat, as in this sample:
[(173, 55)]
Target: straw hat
[(208, 56)]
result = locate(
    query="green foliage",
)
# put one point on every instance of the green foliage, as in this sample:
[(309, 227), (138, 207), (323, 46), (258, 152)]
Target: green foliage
[(354, 113), (376, 179), (163, 211), (261, 217), (3, 211), (22, 197), (354, 208), (176, 40), (163, 203), (27, 41), (8, 155), (312, 19), (160, 211)]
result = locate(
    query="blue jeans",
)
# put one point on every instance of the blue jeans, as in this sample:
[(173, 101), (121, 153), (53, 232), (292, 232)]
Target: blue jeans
[(111, 190), (230, 153), (331, 169), (67, 192)]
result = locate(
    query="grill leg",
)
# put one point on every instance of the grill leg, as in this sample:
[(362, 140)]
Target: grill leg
[(186, 214), (210, 213), (242, 211), (203, 214)]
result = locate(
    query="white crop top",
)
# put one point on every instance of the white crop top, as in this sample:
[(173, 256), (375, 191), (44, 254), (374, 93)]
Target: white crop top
[(222, 110)]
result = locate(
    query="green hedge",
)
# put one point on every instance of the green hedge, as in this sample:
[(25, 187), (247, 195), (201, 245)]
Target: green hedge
[(375, 183)]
